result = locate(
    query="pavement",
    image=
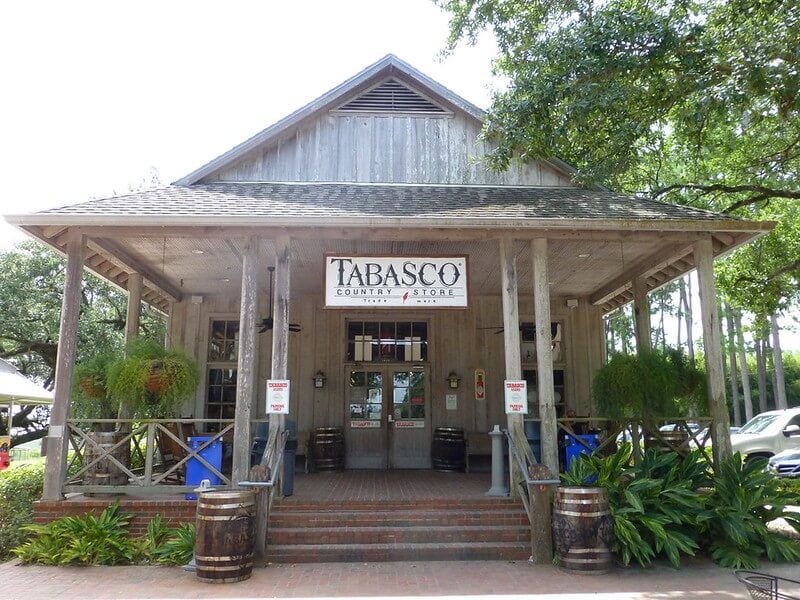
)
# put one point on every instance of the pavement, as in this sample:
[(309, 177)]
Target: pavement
[(476, 580)]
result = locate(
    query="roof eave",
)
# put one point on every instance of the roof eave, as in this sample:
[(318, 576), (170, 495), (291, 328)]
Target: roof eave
[(402, 222)]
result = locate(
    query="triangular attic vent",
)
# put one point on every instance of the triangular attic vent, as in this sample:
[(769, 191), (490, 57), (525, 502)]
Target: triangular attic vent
[(391, 96)]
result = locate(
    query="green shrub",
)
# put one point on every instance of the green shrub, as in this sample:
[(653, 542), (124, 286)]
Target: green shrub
[(104, 540), (744, 498), (653, 505), (178, 547), (671, 505), (19, 489), (85, 540)]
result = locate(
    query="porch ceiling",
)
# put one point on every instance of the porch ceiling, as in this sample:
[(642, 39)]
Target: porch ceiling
[(179, 262)]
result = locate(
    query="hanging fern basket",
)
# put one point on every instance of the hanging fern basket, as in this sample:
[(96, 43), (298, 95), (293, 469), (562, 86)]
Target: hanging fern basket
[(92, 388), (157, 379)]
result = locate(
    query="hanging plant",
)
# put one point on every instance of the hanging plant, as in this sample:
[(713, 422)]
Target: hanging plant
[(650, 385), (91, 398), (152, 381)]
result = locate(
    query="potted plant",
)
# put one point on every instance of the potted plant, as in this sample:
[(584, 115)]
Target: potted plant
[(152, 381), (90, 395), (583, 531), (650, 386)]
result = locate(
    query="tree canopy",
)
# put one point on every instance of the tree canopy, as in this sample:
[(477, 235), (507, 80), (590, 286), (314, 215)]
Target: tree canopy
[(690, 101), (31, 292)]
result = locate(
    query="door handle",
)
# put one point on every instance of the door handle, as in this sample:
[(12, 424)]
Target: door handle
[(390, 418)]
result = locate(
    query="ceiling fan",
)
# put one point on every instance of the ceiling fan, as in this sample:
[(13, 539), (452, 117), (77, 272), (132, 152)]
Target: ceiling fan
[(267, 323)]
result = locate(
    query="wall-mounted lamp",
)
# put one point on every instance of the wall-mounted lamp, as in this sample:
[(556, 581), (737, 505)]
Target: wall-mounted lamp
[(319, 379), (452, 380)]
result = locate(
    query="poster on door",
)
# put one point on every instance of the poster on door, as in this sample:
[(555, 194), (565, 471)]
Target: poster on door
[(516, 395), (277, 396)]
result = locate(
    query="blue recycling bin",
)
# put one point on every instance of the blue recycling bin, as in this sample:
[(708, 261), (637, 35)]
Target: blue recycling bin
[(197, 471), (574, 448)]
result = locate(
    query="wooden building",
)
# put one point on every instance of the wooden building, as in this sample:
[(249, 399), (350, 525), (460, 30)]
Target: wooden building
[(417, 279)]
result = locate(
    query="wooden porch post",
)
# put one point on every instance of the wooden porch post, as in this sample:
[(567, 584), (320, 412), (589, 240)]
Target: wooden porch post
[(720, 432), (641, 311), (247, 371), (544, 355), (58, 432), (516, 425), (132, 320), (280, 329)]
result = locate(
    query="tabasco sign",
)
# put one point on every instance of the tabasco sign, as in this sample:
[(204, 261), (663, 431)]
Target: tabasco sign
[(392, 282)]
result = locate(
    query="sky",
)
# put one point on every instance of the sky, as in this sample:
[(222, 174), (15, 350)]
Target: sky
[(100, 96)]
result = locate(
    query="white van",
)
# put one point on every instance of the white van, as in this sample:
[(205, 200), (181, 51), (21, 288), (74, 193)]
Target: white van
[(768, 433)]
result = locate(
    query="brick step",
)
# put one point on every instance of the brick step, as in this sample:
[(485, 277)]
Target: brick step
[(396, 535), (394, 505), (310, 553), (425, 518)]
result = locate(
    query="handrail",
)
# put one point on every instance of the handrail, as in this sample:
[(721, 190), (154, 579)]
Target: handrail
[(522, 465)]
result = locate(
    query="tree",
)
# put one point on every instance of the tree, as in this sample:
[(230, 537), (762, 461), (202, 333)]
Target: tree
[(692, 101), (31, 292)]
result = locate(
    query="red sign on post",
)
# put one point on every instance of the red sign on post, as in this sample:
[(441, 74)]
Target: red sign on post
[(277, 396), (516, 395)]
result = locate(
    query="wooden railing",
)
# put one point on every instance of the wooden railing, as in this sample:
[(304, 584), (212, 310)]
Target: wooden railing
[(141, 458)]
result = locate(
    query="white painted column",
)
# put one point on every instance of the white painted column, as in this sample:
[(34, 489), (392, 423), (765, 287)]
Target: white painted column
[(58, 433), (544, 355), (720, 432), (641, 313), (246, 381)]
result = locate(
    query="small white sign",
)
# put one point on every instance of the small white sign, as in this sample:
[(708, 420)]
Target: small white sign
[(516, 395), (451, 401), (277, 396)]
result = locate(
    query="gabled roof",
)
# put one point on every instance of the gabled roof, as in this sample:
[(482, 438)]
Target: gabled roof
[(388, 66)]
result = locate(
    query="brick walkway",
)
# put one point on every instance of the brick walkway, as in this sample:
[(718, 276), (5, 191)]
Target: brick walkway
[(696, 579)]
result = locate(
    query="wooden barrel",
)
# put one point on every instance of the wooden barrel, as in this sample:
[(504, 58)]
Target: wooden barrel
[(582, 529), (327, 449), (105, 471), (449, 449), (224, 536)]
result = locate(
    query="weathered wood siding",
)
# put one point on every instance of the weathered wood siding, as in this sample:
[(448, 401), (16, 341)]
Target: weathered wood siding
[(385, 149), (457, 342)]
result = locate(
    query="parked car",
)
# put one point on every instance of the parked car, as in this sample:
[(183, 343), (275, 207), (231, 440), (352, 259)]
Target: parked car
[(786, 463), (769, 433)]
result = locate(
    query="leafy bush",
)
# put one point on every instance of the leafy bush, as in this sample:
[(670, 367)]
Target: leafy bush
[(671, 505), (19, 489), (745, 497), (653, 505), (104, 540), (178, 547)]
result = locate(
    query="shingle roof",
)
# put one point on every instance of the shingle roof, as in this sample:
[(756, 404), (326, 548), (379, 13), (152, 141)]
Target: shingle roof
[(376, 201)]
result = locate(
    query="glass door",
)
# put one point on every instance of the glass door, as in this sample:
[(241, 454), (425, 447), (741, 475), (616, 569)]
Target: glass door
[(387, 417)]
